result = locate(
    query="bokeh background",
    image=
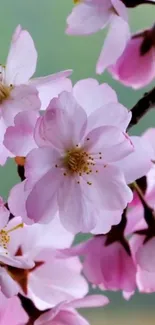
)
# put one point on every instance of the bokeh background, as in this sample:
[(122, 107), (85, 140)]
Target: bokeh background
[(46, 20)]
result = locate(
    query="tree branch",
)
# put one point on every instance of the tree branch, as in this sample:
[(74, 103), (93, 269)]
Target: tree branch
[(144, 105)]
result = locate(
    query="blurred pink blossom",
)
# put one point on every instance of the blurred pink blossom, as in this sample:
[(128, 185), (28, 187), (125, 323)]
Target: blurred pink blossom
[(17, 93), (136, 66), (90, 16), (108, 266)]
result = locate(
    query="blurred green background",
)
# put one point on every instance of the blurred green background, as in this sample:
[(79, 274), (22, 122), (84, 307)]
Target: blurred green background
[(45, 20)]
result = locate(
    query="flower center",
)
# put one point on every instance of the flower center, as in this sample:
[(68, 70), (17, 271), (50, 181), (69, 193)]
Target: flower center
[(4, 92), (77, 161), (5, 237)]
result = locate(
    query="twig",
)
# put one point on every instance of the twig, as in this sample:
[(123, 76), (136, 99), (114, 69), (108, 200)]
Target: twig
[(144, 105)]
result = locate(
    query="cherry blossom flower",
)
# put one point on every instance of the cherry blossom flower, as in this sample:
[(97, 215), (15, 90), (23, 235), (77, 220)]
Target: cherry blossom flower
[(136, 66), (17, 93), (80, 161), (101, 101), (65, 312), (74, 168), (11, 311), (90, 16), (50, 280)]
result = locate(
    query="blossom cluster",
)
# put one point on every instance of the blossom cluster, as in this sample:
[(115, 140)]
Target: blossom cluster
[(80, 171)]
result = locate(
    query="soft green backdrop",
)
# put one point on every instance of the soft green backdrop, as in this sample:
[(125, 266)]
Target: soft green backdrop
[(45, 20)]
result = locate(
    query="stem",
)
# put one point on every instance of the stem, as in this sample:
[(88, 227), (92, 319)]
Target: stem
[(144, 105), (148, 211)]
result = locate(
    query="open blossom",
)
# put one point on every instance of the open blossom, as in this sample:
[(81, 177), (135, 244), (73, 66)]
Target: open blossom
[(11, 311), (65, 312), (90, 16), (17, 92), (50, 280), (78, 165), (136, 66)]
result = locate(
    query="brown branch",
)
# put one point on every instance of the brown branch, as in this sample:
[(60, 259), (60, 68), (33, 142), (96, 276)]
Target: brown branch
[(144, 105)]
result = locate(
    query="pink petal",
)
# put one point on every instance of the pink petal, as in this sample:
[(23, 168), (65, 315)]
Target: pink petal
[(11, 311), (64, 123), (16, 201), (22, 58), (145, 281), (58, 283), (145, 256), (133, 69), (51, 86), (109, 190), (91, 95), (110, 141), (88, 19), (105, 220), (43, 236), (44, 193), (149, 135), (8, 285), (113, 46), (4, 152), (123, 275), (23, 98), (19, 138), (138, 163), (90, 301), (76, 212), (69, 317), (38, 162), (114, 114)]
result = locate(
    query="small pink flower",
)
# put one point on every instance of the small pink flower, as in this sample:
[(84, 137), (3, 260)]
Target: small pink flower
[(11, 311), (17, 92), (65, 312), (136, 66), (90, 16)]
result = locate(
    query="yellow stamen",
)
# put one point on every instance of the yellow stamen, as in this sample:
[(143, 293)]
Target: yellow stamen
[(4, 92), (21, 225), (5, 238), (76, 161)]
